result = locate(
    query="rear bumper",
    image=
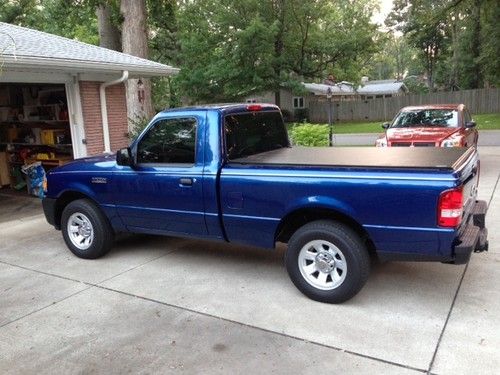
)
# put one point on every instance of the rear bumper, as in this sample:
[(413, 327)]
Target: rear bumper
[(49, 209), (474, 236)]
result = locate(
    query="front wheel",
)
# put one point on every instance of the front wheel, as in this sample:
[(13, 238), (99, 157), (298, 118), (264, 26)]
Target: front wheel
[(327, 261), (86, 230)]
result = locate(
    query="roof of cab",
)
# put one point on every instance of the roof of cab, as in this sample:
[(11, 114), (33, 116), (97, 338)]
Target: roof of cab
[(226, 107)]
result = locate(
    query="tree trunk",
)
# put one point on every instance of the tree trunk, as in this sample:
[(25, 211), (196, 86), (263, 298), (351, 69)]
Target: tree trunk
[(453, 81), (109, 34), (279, 10), (135, 42), (476, 45)]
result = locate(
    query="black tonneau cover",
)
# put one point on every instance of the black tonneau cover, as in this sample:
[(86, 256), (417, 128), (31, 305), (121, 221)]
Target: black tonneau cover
[(358, 157)]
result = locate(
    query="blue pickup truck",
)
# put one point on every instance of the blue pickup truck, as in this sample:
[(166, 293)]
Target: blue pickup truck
[(228, 173)]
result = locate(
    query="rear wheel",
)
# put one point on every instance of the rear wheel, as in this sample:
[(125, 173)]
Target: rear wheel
[(327, 261), (86, 230)]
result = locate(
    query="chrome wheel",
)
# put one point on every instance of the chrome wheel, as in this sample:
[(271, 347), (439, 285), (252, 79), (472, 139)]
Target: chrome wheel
[(322, 264), (80, 231)]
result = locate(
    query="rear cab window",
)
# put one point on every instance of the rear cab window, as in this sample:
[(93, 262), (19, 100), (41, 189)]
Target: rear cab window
[(251, 133)]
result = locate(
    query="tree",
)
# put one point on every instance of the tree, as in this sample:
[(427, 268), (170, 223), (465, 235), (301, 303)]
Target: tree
[(459, 39), (231, 49), (425, 26), (135, 42), (109, 33), (70, 18), (164, 47), (395, 60), (490, 48)]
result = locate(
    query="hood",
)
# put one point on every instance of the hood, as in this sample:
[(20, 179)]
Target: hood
[(92, 163), (419, 134)]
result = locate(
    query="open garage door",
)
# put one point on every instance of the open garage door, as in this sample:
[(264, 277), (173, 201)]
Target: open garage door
[(35, 136)]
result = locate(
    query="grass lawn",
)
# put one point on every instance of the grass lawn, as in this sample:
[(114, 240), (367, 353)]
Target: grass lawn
[(490, 121), (484, 122)]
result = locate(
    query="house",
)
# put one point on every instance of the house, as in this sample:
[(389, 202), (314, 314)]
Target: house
[(340, 92), (61, 99), (290, 103), (386, 88)]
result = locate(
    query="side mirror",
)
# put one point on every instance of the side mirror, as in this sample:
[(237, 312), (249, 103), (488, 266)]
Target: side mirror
[(124, 157), (470, 124), (386, 125)]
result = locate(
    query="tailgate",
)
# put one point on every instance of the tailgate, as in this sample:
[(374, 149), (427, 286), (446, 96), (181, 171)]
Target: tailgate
[(467, 171)]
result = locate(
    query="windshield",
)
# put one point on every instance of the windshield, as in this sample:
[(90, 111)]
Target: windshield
[(251, 133), (431, 118)]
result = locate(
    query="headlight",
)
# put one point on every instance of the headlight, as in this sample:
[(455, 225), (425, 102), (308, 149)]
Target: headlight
[(453, 141), (381, 142)]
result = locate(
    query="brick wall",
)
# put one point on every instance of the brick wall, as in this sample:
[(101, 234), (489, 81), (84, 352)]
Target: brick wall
[(117, 116)]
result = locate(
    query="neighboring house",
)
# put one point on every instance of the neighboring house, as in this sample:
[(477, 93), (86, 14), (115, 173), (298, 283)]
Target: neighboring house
[(314, 91), (63, 99), (289, 102), (342, 91), (386, 88)]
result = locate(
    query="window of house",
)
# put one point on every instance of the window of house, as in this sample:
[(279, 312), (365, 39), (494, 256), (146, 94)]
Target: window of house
[(169, 141), (298, 102)]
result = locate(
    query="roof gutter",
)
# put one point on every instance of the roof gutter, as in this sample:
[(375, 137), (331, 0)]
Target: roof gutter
[(104, 108), (154, 70)]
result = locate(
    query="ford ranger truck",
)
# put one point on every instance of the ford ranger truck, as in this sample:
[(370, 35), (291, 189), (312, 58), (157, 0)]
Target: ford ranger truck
[(227, 173)]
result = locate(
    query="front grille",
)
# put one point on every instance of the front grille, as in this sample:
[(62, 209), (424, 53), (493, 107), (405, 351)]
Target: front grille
[(401, 144), (423, 144), (414, 144)]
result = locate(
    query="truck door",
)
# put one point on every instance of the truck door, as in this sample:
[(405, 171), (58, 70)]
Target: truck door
[(471, 134), (162, 193)]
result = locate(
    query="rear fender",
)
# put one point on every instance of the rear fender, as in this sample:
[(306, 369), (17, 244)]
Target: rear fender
[(322, 202)]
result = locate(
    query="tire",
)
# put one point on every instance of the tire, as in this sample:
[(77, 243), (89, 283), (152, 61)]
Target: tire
[(327, 261), (86, 231)]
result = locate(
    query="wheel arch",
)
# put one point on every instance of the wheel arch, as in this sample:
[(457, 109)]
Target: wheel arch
[(301, 216), (66, 198)]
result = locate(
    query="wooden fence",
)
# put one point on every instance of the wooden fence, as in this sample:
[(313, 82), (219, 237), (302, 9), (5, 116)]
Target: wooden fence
[(384, 109)]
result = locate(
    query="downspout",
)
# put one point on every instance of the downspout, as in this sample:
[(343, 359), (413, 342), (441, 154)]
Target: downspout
[(104, 108)]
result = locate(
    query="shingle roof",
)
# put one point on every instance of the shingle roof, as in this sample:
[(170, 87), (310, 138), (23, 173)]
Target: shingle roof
[(23, 47), (381, 87)]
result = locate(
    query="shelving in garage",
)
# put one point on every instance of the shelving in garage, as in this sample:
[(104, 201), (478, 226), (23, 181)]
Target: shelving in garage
[(34, 127)]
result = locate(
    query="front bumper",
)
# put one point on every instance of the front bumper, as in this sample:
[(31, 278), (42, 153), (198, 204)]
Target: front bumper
[(49, 209), (474, 236)]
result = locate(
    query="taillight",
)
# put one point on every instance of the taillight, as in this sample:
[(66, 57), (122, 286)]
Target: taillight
[(450, 208)]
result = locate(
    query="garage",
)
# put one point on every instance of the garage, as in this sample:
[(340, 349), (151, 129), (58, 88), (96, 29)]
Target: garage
[(60, 100)]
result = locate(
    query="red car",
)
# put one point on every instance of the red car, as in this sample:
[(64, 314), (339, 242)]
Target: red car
[(446, 125)]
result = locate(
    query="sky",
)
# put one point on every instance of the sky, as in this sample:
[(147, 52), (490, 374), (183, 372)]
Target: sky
[(385, 9)]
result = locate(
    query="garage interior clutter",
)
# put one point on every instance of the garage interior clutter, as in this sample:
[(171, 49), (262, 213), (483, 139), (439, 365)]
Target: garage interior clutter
[(35, 135)]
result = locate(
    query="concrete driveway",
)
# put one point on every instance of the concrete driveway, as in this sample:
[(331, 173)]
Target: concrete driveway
[(158, 304)]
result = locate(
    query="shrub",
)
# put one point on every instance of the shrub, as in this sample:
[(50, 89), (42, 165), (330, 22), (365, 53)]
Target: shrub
[(309, 135), (301, 114)]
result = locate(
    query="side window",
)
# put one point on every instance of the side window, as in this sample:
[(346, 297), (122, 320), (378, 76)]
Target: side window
[(169, 141)]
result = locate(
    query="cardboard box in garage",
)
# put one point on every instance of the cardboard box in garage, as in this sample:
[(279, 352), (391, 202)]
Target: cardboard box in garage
[(4, 169)]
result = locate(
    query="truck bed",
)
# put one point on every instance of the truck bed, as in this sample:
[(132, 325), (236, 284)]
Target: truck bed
[(363, 157)]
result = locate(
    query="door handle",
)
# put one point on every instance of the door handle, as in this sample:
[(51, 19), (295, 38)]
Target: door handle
[(186, 181)]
